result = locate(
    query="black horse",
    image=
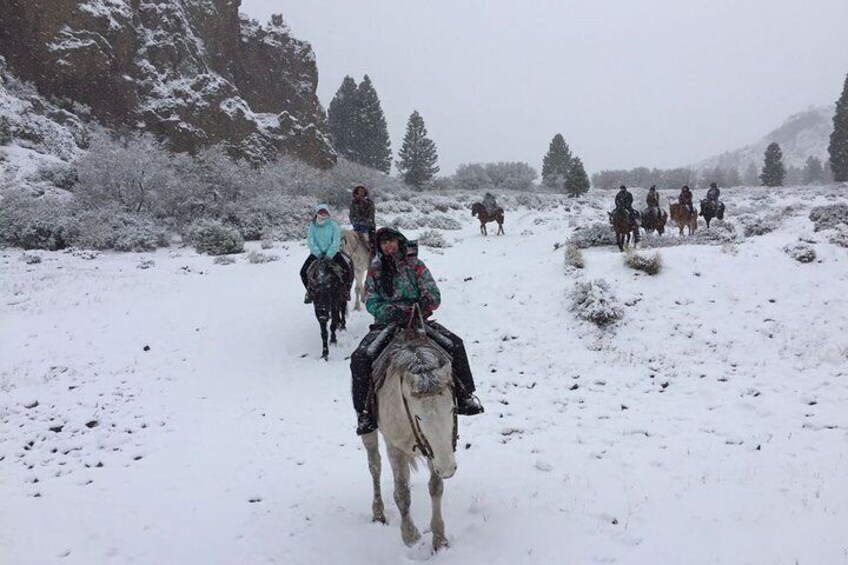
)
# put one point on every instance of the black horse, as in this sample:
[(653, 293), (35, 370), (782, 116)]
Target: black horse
[(329, 293), (710, 209), (624, 227)]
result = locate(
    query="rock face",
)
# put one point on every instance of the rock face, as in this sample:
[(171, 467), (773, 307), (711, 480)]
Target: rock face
[(191, 71)]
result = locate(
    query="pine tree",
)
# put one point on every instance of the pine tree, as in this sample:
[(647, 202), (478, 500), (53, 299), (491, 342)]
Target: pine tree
[(372, 145), (577, 181), (556, 163), (341, 119), (813, 171), (417, 156), (838, 148), (773, 171)]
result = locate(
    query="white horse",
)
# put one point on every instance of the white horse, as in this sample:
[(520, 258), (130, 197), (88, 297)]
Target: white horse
[(417, 417), (354, 246)]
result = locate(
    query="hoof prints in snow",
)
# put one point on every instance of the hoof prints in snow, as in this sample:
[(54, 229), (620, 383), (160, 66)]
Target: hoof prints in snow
[(86, 428)]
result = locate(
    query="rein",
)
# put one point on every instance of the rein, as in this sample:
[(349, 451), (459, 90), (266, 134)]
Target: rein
[(421, 442)]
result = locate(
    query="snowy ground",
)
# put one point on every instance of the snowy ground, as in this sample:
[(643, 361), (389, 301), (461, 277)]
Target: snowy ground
[(179, 413)]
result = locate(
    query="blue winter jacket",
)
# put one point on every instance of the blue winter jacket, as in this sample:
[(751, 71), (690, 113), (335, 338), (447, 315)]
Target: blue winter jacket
[(323, 238)]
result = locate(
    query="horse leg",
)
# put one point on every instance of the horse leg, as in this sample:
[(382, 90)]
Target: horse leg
[(372, 447), (437, 524), (334, 322), (483, 228), (325, 349), (500, 229), (358, 289), (619, 240), (400, 468)]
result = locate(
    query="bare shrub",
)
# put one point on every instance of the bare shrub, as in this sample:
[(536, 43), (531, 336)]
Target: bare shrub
[(594, 302), (840, 237), (574, 257), (758, 225), (433, 238), (802, 252), (223, 260), (650, 265), (35, 223), (115, 229)]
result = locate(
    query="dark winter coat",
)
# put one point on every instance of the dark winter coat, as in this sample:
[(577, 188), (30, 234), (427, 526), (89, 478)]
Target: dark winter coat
[(653, 199), (713, 193), (490, 204), (362, 211), (394, 284), (624, 200), (685, 197)]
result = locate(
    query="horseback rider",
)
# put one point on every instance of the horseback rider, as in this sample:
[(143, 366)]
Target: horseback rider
[(490, 204), (323, 238), (653, 200), (624, 202), (685, 198), (713, 195), (362, 216), (397, 280)]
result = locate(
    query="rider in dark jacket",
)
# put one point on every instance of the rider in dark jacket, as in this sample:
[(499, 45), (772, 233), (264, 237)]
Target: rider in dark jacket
[(685, 198), (396, 282), (653, 201), (624, 201), (362, 216)]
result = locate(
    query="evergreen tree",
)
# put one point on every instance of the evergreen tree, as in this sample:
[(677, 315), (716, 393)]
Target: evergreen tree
[(577, 181), (556, 163), (372, 145), (773, 171), (417, 156), (813, 171), (838, 148), (341, 119)]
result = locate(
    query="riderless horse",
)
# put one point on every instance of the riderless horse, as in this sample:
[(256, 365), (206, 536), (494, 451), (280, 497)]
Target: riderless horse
[(416, 413), (477, 209)]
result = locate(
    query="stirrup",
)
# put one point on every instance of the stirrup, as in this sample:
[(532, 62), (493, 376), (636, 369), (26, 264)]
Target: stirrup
[(308, 298), (469, 406)]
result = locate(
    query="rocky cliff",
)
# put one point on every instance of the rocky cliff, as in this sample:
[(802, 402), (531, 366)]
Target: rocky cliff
[(191, 71)]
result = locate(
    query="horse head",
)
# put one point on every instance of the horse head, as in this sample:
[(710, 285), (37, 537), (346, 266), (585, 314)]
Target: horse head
[(325, 283), (476, 208)]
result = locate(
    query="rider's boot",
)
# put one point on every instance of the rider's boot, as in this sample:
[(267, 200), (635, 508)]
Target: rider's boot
[(467, 404), (308, 298), (365, 423)]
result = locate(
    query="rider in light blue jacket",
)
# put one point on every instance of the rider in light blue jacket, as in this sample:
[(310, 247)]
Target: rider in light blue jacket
[(323, 238)]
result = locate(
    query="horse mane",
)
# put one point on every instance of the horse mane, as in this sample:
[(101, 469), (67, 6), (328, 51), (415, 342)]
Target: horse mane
[(422, 361)]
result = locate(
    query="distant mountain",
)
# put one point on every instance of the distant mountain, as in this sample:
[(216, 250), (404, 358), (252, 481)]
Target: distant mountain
[(801, 136), (193, 72)]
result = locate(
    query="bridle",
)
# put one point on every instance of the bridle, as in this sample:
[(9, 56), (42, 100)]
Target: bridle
[(421, 442)]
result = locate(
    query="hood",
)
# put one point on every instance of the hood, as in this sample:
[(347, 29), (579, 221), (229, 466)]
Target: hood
[(403, 243), (362, 188), (320, 207)]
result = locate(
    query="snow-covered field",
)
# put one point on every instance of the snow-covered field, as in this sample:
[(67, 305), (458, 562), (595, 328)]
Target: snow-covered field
[(162, 409)]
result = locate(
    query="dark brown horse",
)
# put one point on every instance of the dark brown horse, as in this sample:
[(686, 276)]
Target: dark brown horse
[(710, 210), (477, 209), (654, 220), (624, 228)]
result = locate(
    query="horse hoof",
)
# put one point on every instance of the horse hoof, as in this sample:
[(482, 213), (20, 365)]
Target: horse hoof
[(439, 543)]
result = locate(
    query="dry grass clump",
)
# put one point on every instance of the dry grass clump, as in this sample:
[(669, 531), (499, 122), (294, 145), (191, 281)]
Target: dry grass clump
[(650, 265)]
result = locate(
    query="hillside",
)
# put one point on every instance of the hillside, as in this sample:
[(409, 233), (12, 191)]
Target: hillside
[(801, 136), (191, 71)]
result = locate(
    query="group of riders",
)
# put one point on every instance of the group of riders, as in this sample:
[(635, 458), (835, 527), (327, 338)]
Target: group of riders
[(396, 283), (624, 202)]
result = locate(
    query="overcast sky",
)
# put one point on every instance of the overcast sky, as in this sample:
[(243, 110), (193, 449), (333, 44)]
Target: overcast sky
[(627, 82)]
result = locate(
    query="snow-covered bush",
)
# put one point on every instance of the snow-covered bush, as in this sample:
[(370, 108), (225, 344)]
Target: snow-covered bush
[(574, 257), (829, 217), (214, 238), (758, 225), (223, 260), (594, 302), (802, 252), (257, 257), (117, 230), (61, 175), (432, 221), (5, 132), (718, 232), (433, 238), (35, 223), (596, 235), (650, 265), (840, 237)]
